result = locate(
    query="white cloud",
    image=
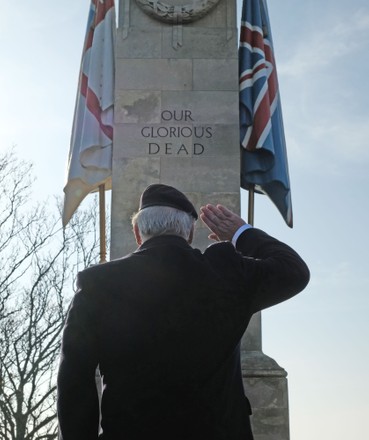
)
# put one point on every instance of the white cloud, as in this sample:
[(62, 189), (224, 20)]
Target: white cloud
[(338, 142), (324, 90), (336, 38)]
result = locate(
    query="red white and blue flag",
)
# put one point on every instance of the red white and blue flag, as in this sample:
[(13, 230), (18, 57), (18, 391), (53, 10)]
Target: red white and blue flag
[(263, 154), (90, 154)]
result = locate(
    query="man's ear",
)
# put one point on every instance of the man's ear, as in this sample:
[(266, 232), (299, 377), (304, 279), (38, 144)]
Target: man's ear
[(190, 237), (137, 234)]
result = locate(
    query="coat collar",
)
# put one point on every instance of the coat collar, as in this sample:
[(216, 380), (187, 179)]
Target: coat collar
[(164, 240)]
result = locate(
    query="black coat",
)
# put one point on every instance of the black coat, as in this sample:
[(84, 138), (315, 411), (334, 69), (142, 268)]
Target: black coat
[(164, 326)]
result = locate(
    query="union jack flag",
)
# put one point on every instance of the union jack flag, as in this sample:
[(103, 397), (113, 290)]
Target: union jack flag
[(263, 154), (90, 154)]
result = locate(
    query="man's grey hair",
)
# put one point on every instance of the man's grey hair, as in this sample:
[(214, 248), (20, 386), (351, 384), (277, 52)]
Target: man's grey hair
[(163, 220)]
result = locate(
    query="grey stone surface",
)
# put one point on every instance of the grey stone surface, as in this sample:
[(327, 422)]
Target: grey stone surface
[(251, 341), (142, 43), (148, 74), (255, 363), (137, 106), (269, 399), (195, 40), (223, 16), (180, 141), (204, 78), (134, 17), (216, 106), (202, 175), (130, 177)]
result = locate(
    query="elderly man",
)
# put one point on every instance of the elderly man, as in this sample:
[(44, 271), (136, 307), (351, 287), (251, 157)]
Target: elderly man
[(164, 323)]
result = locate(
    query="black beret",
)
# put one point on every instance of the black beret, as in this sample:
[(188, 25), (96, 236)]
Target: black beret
[(158, 194)]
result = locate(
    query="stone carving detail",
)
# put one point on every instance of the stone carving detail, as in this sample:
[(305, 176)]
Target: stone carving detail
[(177, 14)]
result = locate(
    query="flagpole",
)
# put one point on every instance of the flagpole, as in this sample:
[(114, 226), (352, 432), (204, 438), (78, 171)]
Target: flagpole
[(102, 223), (254, 342), (250, 219)]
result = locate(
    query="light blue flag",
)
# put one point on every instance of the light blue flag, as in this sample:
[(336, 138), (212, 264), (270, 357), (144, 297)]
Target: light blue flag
[(264, 163)]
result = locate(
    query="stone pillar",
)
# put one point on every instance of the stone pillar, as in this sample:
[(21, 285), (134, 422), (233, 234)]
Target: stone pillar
[(266, 387), (176, 122), (176, 108)]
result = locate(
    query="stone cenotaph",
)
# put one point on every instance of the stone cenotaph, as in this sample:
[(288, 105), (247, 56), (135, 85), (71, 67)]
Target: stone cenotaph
[(176, 122)]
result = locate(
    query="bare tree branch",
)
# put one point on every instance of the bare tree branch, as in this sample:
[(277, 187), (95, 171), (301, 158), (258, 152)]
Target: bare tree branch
[(38, 263)]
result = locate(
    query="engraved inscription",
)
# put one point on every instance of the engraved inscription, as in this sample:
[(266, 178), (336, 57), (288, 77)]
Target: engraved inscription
[(170, 139)]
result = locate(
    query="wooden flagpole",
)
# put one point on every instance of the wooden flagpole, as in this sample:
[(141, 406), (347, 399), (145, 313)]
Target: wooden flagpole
[(251, 206), (254, 328), (102, 223)]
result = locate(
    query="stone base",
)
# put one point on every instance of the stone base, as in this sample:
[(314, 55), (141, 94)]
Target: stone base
[(266, 387)]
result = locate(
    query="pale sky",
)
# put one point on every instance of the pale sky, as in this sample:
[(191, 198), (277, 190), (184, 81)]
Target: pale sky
[(321, 47)]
